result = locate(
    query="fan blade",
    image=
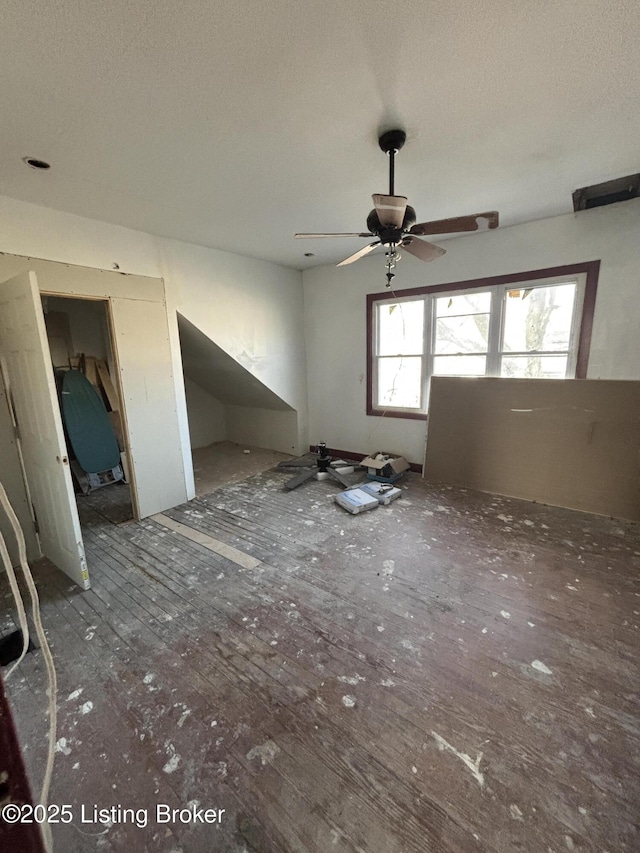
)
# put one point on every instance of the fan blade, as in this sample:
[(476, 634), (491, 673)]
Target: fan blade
[(294, 482), (359, 254), (390, 209), (339, 477), (422, 249), (475, 222), (305, 236), (297, 463)]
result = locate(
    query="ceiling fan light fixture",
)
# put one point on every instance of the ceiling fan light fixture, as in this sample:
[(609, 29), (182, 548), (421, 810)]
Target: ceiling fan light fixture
[(390, 210), (393, 222)]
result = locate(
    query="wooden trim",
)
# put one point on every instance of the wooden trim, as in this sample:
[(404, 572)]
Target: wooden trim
[(588, 310), (351, 454), (589, 268), (371, 298), (491, 281), (388, 413), (67, 295)]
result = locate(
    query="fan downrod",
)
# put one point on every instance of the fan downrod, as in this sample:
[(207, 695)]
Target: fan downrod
[(392, 140)]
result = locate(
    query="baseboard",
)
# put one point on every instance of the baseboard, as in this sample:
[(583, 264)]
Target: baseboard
[(351, 454)]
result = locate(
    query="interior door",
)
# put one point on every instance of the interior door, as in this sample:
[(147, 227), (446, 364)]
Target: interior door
[(28, 372)]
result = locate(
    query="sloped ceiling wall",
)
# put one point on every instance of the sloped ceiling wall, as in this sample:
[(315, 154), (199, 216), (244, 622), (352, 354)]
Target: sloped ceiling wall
[(210, 367)]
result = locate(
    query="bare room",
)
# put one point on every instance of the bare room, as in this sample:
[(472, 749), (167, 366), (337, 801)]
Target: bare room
[(320, 427)]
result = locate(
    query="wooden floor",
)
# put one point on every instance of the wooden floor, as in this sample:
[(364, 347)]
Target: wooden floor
[(227, 462), (455, 672)]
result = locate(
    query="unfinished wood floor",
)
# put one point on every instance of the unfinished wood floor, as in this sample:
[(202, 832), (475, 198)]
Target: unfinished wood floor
[(455, 672), (227, 462)]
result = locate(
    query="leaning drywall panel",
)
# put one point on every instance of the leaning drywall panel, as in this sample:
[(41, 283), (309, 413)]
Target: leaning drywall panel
[(143, 356), (571, 443)]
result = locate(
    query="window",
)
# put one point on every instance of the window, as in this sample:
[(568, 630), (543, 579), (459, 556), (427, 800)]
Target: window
[(399, 358), (530, 325)]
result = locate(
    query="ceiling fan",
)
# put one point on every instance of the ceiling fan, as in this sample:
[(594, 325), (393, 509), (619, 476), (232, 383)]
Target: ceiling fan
[(393, 221)]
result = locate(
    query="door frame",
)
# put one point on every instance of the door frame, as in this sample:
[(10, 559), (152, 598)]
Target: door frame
[(41, 446), (106, 300)]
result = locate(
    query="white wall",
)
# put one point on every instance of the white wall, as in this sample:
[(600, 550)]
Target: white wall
[(210, 421), (336, 350), (252, 309), (207, 416), (268, 428)]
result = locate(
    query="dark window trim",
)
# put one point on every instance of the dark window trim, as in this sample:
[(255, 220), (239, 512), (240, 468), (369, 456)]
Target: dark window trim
[(589, 268)]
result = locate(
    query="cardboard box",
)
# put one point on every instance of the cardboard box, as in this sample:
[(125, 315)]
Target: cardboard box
[(385, 467)]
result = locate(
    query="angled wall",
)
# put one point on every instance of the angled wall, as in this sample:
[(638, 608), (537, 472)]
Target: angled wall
[(252, 310), (241, 407)]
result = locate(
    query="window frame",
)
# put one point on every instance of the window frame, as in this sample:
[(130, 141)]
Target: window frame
[(423, 355), (580, 333)]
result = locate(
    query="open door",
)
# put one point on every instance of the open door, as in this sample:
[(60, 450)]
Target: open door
[(32, 392)]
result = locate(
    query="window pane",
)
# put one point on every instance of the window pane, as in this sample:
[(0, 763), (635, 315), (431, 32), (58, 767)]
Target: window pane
[(463, 303), (401, 328), (535, 366), (538, 318), (400, 382), (462, 334), (459, 365)]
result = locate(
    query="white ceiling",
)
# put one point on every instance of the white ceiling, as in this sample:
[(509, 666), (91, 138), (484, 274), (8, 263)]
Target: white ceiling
[(235, 123)]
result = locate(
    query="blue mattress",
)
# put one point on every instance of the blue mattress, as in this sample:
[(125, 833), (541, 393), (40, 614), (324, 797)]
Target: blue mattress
[(87, 423)]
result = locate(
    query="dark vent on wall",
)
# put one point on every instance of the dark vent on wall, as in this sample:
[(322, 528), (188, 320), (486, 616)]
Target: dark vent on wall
[(609, 192)]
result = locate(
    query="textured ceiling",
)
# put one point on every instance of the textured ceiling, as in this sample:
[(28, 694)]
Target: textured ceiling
[(236, 123)]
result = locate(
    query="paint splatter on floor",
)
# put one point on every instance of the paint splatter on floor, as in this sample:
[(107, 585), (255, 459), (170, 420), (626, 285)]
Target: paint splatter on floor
[(266, 752)]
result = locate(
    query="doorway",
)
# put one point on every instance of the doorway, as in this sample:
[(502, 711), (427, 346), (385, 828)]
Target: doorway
[(34, 462), (80, 336)]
